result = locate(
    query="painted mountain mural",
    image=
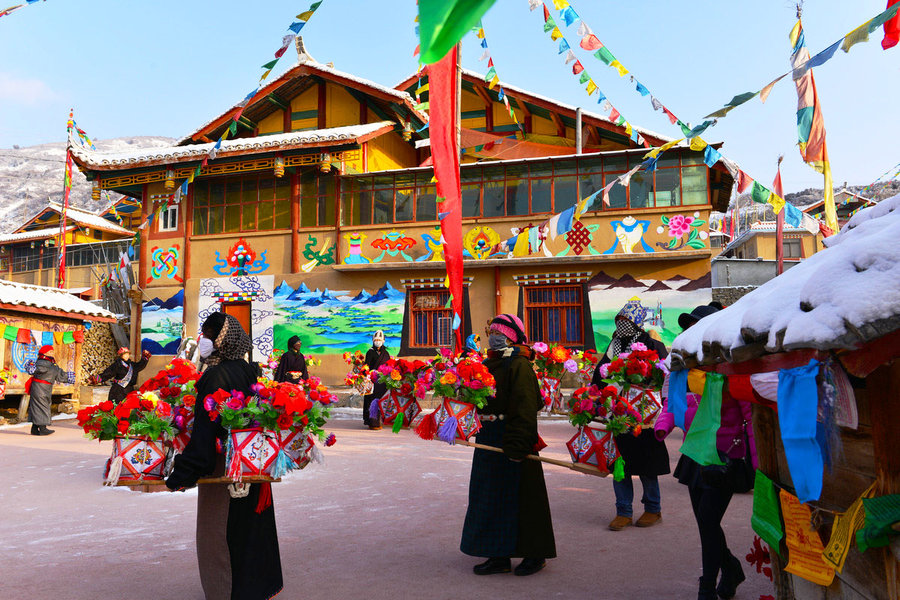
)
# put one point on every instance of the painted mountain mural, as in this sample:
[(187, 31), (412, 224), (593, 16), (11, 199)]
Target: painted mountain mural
[(334, 322), (663, 299), (161, 322)]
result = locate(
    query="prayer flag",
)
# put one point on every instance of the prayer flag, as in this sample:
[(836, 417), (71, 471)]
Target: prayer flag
[(892, 27), (643, 91), (569, 15), (443, 23), (591, 42), (619, 67), (577, 67), (605, 55), (744, 181)]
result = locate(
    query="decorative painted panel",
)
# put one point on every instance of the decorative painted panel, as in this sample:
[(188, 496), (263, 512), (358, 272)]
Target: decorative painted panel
[(258, 290), (161, 324)]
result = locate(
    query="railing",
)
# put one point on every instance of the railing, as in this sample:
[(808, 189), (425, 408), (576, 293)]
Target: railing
[(77, 255)]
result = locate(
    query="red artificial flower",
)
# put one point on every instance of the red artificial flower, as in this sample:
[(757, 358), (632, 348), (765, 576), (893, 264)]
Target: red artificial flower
[(123, 426), (146, 404), (189, 400), (616, 365), (122, 411), (285, 421), (107, 405), (213, 415), (163, 409)]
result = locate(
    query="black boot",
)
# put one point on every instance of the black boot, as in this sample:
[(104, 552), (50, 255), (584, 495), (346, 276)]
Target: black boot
[(732, 577), (35, 429), (46, 431), (492, 566), (530, 566), (707, 589)]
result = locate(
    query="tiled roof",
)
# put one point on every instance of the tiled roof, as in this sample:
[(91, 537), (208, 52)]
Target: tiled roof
[(27, 236), (36, 296), (83, 217)]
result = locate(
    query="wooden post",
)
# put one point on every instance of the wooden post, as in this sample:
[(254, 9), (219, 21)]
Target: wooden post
[(295, 222), (188, 231)]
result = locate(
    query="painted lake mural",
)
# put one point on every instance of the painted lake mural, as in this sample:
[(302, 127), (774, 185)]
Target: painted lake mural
[(161, 322), (334, 322)]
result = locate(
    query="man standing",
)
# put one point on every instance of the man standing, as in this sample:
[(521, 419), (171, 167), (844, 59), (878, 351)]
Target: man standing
[(123, 373), (40, 387)]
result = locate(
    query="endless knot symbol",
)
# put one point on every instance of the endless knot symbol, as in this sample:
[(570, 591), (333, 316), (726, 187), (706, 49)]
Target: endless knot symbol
[(578, 237)]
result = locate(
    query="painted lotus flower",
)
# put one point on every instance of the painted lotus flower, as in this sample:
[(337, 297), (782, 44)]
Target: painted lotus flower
[(679, 225)]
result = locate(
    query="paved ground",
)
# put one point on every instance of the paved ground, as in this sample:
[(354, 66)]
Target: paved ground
[(380, 519)]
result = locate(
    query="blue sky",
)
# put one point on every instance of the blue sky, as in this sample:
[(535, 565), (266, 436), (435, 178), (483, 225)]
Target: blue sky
[(161, 67)]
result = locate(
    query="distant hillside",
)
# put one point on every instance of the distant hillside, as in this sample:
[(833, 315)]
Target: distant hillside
[(31, 175)]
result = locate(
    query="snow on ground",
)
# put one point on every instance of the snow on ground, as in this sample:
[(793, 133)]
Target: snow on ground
[(381, 519)]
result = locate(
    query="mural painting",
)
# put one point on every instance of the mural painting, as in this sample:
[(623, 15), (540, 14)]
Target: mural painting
[(684, 231), (479, 241), (579, 239), (354, 249), (164, 262), (433, 245), (664, 301), (334, 322), (629, 233), (240, 261), (392, 243), (257, 290), (161, 322), (324, 256)]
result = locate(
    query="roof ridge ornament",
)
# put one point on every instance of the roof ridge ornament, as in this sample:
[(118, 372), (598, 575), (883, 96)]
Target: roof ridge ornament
[(302, 55)]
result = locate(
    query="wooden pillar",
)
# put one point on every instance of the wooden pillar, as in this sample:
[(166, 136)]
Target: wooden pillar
[(320, 113), (188, 232), (884, 408), (143, 257), (295, 222), (287, 121)]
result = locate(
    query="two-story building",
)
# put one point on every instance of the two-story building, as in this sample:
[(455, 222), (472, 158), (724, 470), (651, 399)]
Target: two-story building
[(318, 219)]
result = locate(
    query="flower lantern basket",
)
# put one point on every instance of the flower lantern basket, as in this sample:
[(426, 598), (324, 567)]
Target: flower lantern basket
[(250, 452), (551, 393), (297, 445), (456, 420), (393, 405), (593, 445), (135, 459), (646, 401)]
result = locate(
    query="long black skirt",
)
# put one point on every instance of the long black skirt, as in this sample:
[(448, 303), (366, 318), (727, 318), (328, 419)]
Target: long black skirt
[(509, 512)]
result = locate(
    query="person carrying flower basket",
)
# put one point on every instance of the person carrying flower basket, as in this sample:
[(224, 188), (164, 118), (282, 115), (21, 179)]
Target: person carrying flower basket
[(292, 364), (509, 513), (645, 456), (375, 357), (237, 540)]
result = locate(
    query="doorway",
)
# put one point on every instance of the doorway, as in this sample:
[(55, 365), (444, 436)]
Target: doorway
[(241, 312)]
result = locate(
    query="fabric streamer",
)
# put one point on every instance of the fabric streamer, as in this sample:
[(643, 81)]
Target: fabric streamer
[(766, 519), (881, 513), (843, 531), (443, 23), (803, 542), (678, 381), (700, 441), (797, 407)]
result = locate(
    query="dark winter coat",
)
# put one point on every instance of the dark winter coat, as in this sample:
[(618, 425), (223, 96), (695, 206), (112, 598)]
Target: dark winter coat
[(116, 372), (229, 530), (375, 357), (643, 455), (42, 393), (509, 512), (290, 361)]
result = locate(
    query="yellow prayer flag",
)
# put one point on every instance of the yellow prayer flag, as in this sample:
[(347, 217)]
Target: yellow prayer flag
[(795, 33), (803, 542), (591, 87), (433, 179), (555, 34), (494, 82), (57, 337), (480, 34), (447, 282), (654, 152), (304, 16), (776, 201), (619, 67), (422, 89), (670, 145), (560, 4), (628, 129), (698, 145), (860, 34), (264, 75), (830, 212)]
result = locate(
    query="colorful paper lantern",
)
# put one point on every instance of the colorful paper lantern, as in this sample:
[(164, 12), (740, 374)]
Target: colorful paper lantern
[(170, 179), (593, 446)]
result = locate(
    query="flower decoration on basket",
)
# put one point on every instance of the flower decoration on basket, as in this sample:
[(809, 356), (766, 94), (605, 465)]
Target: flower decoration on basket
[(176, 385), (551, 362), (358, 376), (406, 382), (639, 375), (587, 361), (465, 384), (312, 361), (269, 365)]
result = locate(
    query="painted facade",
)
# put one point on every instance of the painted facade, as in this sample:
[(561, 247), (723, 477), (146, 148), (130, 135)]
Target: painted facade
[(346, 242)]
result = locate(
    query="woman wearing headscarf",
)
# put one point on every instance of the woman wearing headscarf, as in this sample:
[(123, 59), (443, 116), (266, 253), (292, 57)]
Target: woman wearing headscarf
[(123, 373), (644, 455), (375, 357), (709, 497), (237, 542), (509, 513), (40, 388), (292, 364), (473, 345)]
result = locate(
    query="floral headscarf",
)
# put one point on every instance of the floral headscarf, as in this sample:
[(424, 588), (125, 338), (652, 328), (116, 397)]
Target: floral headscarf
[(232, 342)]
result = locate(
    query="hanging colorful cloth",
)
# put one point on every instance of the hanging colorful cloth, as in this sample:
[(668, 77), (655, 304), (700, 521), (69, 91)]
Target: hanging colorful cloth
[(798, 400), (700, 441)]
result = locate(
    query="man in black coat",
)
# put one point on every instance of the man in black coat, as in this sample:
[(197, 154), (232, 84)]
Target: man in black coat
[(375, 357), (40, 388), (292, 364), (123, 373), (644, 455)]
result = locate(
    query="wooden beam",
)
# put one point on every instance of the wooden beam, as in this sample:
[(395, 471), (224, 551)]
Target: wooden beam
[(274, 99), (560, 127), (55, 313), (204, 139), (247, 123)]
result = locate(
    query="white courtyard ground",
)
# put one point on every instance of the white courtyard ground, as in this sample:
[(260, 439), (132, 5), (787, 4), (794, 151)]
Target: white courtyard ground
[(380, 519)]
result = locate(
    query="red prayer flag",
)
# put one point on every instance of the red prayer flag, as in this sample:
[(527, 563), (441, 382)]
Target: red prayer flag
[(490, 63), (24, 336), (445, 152), (577, 67), (672, 118), (744, 181), (891, 29), (591, 42), (614, 115), (546, 13), (78, 336)]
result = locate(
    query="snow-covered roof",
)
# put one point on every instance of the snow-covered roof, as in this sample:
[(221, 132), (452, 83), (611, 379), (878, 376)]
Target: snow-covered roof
[(321, 69), (95, 221), (23, 295), (761, 227), (840, 297), (279, 141), (27, 236)]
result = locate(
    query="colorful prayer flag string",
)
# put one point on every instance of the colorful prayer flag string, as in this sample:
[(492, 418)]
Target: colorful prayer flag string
[(493, 79)]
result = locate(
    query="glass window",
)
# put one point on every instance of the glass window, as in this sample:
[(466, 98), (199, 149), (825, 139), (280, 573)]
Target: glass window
[(233, 192), (616, 162), (565, 193), (364, 201), (265, 220), (471, 200), (248, 217), (590, 184), (216, 214), (201, 194), (494, 199), (668, 187), (553, 314), (308, 199), (693, 185), (565, 167), (692, 158), (282, 217), (640, 190), (617, 194), (516, 196), (348, 216), (384, 206), (426, 206), (668, 160), (232, 218), (431, 319), (590, 165), (403, 208), (249, 191), (540, 195)]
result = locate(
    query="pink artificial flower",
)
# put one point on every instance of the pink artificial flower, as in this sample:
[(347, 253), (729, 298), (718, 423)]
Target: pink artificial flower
[(679, 225), (539, 347), (475, 384), (571, 366), (638, 347), (209, 403), (623, 355), (585, 404), (604, 370)]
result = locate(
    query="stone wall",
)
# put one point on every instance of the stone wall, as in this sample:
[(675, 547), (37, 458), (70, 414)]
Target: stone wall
[(729, 295)]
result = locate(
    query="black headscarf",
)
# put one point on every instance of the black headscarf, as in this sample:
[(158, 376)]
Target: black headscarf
[(230, 342)]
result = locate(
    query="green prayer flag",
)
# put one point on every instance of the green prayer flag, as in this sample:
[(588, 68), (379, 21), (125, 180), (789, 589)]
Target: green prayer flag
[(233, 128), (10, 333), (700, 441), (270, 64), (68, 338), (442, 23), (492, 72), (315, 5), (883, 18), (766, 519), (620, 121), (881, 513), (605, 55), (584, 78), (549, 24), (759, 192), (741, 98), (685, 130)]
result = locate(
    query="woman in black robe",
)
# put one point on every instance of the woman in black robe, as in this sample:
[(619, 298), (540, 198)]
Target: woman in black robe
[(40, 389), (237, 542), (509, 512), (292, 361), (645, 456), (123, 373), (375, 357)]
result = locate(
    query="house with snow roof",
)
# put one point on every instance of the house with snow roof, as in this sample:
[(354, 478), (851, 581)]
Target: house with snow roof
[(317, 215)]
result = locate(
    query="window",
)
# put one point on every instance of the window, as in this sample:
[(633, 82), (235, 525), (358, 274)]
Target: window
[(431, 319), (793, 249), (254, 203), (169, 219), (553, 314)]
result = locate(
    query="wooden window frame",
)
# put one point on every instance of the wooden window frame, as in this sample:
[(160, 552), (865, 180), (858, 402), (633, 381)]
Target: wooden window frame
[(428, 312), (544, 307), (204, 212)]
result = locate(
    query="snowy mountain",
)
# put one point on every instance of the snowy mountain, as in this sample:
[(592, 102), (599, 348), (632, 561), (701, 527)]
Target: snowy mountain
[(31, 175)]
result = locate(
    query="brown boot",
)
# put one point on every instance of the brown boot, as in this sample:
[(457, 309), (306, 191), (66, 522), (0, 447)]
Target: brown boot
[(648, 519), (619, 523)]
